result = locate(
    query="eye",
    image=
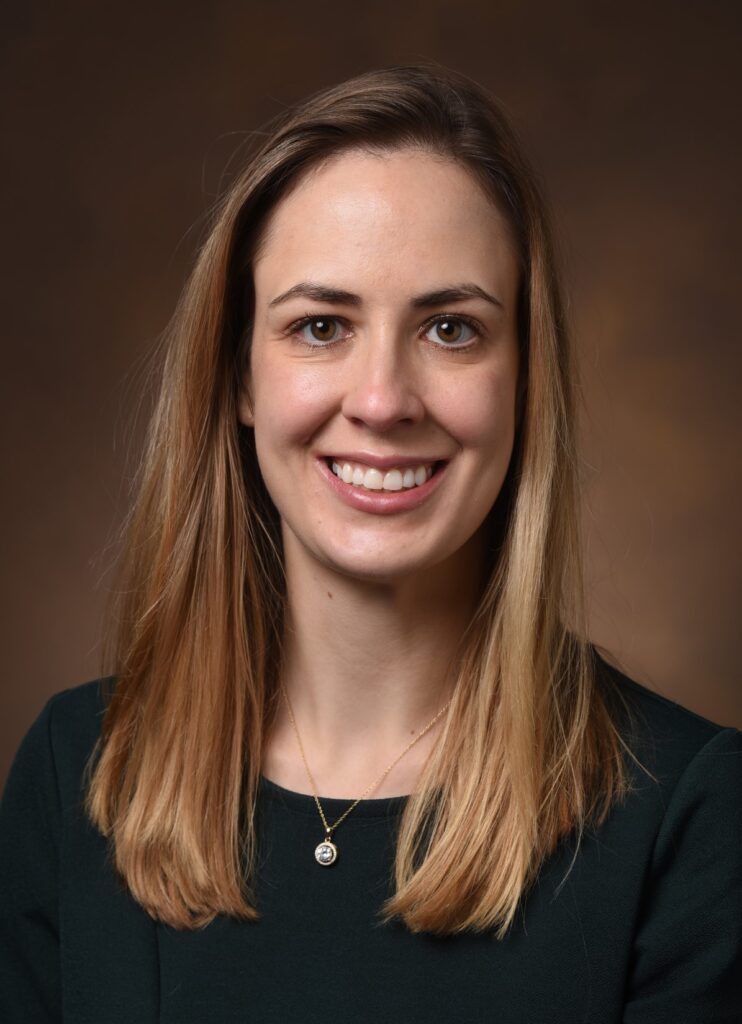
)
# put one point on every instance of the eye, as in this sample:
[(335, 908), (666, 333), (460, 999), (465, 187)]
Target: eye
[(323, 330), (452, 330)]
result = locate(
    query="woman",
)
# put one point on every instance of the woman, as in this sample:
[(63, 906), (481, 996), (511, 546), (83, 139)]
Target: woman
[(355, 757)]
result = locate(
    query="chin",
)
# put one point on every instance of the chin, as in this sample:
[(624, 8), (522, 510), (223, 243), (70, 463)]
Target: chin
[(373, 567)]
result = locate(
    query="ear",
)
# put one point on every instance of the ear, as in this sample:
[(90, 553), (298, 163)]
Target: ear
[(245, 413)]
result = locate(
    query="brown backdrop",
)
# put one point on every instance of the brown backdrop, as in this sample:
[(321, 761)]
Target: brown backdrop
[(118, 125)]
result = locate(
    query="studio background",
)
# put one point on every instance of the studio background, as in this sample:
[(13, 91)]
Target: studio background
[(121, 125)]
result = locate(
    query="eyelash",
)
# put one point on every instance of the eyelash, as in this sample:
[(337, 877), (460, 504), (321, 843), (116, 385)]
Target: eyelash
[(470, 322)]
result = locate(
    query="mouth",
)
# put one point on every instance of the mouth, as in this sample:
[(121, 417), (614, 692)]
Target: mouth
[(406, 477)]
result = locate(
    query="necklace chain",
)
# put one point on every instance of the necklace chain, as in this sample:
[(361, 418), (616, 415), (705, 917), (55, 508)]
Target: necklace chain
[(329, 829)]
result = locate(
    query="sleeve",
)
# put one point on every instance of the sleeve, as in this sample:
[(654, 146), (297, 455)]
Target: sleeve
[(30, 827), (687, 957)]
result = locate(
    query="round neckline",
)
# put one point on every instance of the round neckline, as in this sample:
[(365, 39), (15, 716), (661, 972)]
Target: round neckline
[(303, 803)]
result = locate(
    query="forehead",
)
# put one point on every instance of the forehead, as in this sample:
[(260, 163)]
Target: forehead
[(391, 216)]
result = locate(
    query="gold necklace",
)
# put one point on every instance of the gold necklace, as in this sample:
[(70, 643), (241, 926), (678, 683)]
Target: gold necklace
[(326, 852)]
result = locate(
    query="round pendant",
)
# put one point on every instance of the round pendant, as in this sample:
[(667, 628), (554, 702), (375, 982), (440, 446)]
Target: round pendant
[(326, 853)]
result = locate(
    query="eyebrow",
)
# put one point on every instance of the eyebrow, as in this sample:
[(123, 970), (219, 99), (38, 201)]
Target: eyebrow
[(438, 297)]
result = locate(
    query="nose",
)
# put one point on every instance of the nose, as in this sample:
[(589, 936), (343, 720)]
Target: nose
[(382, 387)]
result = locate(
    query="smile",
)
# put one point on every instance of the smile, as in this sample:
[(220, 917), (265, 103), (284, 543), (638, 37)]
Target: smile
[(382, 490), (401, 478)]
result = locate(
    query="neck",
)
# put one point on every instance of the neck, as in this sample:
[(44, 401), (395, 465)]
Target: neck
[(367, 665)]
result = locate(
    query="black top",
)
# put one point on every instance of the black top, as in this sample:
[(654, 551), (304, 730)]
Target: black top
[(646, 929)]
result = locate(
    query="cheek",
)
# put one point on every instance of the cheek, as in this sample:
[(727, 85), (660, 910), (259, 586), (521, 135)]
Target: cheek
[(479, 409), (291, 401)]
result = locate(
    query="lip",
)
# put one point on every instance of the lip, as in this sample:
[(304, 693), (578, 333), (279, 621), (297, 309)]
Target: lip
[(383, 461), (381, 502)]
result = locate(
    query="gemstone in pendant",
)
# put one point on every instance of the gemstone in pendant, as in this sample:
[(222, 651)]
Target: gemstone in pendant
[(326, 853)]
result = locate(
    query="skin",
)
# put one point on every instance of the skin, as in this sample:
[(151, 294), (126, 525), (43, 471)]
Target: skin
[(377, 603)]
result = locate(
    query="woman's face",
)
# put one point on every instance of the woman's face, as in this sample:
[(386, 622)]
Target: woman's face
[(385, 345)]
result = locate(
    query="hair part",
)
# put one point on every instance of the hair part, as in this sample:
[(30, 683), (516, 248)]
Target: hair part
[(529, 751)]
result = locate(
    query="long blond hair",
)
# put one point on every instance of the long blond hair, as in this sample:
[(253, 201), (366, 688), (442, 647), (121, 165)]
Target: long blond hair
[(528, 751)]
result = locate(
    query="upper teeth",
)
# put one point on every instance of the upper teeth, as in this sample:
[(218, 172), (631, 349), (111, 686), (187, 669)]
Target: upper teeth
[(375, 480)]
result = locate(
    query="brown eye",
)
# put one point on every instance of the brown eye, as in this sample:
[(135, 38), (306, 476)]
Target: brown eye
[(326, 331), (451, 332), (322, 329)]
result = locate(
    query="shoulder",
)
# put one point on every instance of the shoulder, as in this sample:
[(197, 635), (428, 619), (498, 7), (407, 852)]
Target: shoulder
[(677, 845), (61, 738), (76, 712), (668, 738)]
